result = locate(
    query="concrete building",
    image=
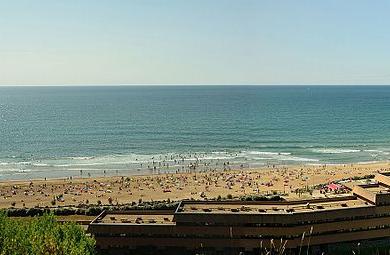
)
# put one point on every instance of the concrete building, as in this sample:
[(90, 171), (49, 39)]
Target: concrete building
[(229, 227)]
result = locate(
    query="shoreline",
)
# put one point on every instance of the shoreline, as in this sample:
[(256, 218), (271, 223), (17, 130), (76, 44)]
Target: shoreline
[(143, 172), (177, 186)]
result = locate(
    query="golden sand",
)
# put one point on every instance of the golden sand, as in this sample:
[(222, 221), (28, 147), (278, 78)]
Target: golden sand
[(127, 189)]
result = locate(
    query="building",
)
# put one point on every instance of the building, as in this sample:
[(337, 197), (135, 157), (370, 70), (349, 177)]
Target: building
[(229, 227)]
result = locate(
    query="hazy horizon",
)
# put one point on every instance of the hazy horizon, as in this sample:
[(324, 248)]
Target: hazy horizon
[(191, 85), (223, 42)]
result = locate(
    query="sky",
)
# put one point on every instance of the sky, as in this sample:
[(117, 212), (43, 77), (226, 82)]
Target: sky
[(90, 42)]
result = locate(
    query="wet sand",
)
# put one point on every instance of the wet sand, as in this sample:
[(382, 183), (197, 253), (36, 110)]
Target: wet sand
[(200, 185)]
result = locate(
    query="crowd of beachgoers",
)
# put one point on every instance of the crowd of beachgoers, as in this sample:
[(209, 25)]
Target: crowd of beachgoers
[(289, 181)]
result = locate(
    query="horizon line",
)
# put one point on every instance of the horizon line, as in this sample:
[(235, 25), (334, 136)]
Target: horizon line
[(176, 85)]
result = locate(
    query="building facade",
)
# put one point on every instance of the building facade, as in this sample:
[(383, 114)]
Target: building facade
[(233, 227)]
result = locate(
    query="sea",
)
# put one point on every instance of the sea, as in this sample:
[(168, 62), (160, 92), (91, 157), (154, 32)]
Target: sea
[(71, 131)]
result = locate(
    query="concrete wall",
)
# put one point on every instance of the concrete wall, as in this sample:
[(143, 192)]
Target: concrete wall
[(383, 179), (363, 193), (383, 199)]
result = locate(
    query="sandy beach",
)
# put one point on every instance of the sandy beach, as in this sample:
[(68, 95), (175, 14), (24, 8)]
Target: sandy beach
[(201, 185)]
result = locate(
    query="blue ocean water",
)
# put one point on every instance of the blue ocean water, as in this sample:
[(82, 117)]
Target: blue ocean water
[(71, 131)]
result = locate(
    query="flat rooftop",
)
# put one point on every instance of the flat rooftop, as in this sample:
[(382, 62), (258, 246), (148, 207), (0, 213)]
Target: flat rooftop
[(378, 189), (211, 207), (137, 219), (282, 208)]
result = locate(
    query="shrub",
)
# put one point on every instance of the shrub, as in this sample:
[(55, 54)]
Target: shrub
[(64, 211), (43, 235), (93, 211)]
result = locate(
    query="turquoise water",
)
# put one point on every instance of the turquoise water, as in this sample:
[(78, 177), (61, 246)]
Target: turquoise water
[(58, 131)]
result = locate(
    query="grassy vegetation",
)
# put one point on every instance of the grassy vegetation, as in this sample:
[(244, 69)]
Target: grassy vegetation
[(42, 235), (91, 210)]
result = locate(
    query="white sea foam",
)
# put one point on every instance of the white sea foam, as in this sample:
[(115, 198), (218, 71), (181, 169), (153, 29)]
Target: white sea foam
[(91, 164), (24, 163), (132, 162), (282, 156), (258, 164), (328, 164), (216, 158), (299, 159), (335, 151), (264, 153), (219, 152), (368, 162), (80, 158), (14, 170), (379, 151), (261, 158), (383, 152), (24, 171), (9, 170), (39, 164)]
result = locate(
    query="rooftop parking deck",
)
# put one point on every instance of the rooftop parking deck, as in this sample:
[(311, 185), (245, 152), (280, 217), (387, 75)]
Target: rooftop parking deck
[(378, 189), (363, 197), (260, 208), (137, 219)]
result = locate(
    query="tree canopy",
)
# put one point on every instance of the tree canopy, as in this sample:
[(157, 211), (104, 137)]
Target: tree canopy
[(42, 236)]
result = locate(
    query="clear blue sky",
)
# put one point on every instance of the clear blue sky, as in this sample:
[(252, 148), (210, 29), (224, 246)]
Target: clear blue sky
[(194, 42)]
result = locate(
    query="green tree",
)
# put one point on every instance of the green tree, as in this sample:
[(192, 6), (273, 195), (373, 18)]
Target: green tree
[(42, 236)]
